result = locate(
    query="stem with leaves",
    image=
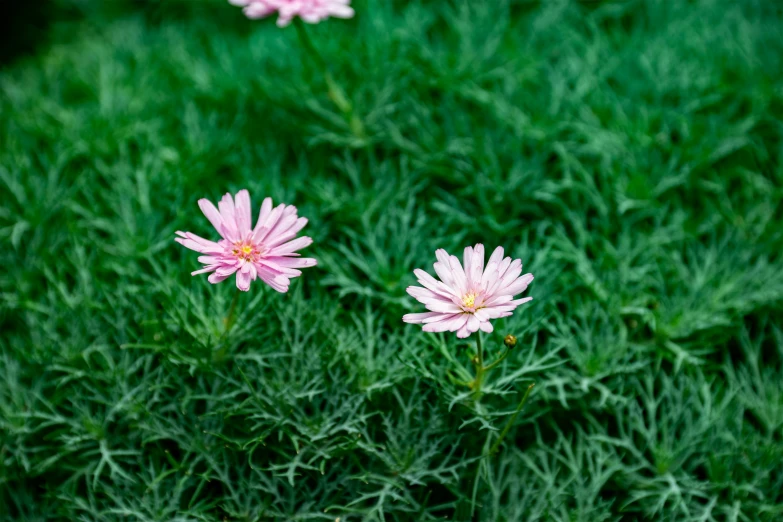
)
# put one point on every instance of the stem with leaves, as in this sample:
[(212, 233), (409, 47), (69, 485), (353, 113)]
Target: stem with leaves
[(475, 385), (481, 370), (478, 381), (478, 362), (511, 420)]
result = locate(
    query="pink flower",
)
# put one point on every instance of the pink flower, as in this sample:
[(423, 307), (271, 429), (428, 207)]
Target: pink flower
[(466, 299), (311, 11), (267, 251)]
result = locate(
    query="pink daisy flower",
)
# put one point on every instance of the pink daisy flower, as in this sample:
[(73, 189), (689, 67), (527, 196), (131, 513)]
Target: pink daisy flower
[(466, 299), (310, 11), (267, 251)]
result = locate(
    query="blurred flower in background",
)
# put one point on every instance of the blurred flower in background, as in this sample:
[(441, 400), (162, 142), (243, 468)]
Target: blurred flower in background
[(310, 11), (267, 251)]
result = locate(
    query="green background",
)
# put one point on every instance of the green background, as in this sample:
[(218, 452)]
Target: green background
[(628, 152)]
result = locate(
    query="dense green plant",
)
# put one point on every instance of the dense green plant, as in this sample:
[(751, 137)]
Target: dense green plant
[(629, 153)]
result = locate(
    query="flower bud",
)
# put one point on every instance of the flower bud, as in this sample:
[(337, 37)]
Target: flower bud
[(510, 341)]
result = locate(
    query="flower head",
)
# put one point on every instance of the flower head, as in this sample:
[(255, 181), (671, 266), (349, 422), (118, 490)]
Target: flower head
[(310, 11), (267, 251), (467, 298)]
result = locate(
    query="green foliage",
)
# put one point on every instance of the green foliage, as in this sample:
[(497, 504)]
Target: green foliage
[(629, 153)]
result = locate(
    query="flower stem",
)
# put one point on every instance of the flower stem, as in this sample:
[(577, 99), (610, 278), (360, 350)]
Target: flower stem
[(229, 320), (335, 92), (498, 361), (510, 422), (479, 364)]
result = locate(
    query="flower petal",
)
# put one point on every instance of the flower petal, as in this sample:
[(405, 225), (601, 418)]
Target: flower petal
[(418, 318), (227, 270), (441, 306), (293, 262), (490, 275), (277, 282), (444, 273), (425, 295), (288, 234), (263, 215), (450, 324), (273, 237), (460, 281), (467, 260), (518, 286), (341, 11), (242, 214), (477, 269), (283, 270), (228, 213), (291, 246), (212, 213), (216, 278), (433, 284), (496, 257), (206, 269), (260, 233), (512, 273), (199, 244), (245, 277), (473, 323)]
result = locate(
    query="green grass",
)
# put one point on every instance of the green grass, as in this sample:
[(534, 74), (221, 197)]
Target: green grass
[(628, 152)]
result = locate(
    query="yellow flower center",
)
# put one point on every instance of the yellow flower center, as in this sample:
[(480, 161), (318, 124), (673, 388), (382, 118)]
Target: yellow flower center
[(469, 300), (245, 251)]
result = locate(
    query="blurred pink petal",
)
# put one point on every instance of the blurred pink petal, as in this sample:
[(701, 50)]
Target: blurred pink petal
[(267, 252), (468, 295), (310, 11)]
